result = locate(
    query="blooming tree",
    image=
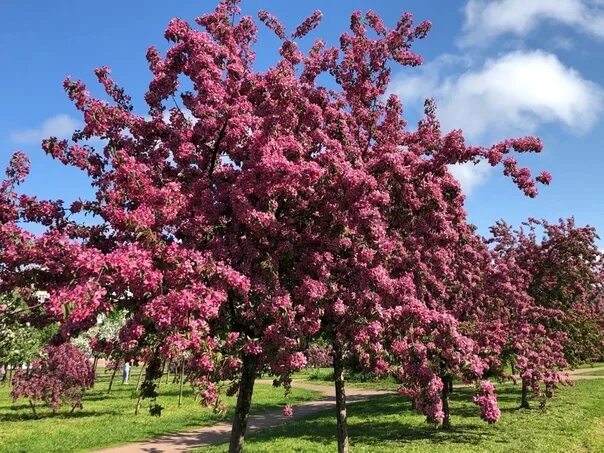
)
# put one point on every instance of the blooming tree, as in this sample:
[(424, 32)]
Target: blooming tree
[(62, 374), (558, 322)]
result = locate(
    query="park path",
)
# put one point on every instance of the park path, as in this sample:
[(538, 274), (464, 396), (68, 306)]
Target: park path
[(219, 433), (583, 373), (215, 434)]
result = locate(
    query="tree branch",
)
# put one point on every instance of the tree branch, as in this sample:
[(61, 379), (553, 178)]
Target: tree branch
[(221, 135)]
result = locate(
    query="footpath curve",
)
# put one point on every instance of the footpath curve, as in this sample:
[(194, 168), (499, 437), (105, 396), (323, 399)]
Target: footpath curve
[(219, 433)]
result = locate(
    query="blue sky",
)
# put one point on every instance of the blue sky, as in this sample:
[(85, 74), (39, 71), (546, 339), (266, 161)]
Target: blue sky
[(497, 68)]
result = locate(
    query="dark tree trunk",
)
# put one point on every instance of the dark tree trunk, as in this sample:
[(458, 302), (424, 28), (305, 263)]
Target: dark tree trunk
[(338, 371), (112, 378), (182, 380), (163, 370), (447, 382), (513, 369), (140, 375), (244, 401), (450, 386), (168, 375), (94, 364), (524, 404), (33, 408)]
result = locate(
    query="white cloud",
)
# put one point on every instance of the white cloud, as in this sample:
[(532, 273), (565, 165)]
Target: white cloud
[(60, 126), (512, 94), (470, 175), (488, 19)]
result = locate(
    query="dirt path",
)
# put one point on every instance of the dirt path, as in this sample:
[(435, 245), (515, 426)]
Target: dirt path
[(220, 432), (584, 373)]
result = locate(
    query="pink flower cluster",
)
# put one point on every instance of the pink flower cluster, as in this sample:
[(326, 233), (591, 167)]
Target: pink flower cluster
[(487, 401)]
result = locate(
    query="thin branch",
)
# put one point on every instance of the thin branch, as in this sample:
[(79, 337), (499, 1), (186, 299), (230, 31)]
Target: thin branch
[(221, 135)]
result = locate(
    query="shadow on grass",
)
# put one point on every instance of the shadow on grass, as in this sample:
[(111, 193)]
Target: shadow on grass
[(43, 414), (378, 421), (372, 423)]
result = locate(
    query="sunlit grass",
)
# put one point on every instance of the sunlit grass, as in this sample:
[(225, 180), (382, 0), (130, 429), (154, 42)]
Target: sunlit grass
[(572, 422), (108, 419)]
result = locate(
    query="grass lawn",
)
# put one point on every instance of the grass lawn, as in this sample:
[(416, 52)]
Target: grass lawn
[(324, 376), (592, 365), (108, 420), (573, 422)]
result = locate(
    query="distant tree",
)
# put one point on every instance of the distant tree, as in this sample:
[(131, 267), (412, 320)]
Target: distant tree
[(561, 321), (20, 341), (60, 376)]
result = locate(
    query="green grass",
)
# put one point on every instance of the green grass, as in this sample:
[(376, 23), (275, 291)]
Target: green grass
[(573, 422), (592, 365), (324, 376), (108, 420)]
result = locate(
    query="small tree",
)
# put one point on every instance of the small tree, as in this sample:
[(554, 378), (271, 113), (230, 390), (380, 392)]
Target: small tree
[(60, 376)]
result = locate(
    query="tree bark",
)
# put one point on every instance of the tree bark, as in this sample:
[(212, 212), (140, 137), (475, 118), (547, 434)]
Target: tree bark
[(182, 380), (140, 375), (524, 404), (244, 401), (163, 370), (445, 401), (168, 375), (338, 370), (112, 378), (94, 364)]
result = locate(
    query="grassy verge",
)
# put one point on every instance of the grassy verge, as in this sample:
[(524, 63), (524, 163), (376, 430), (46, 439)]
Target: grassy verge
[(573, 422), (324, 376), (591, 365), (108, 420)]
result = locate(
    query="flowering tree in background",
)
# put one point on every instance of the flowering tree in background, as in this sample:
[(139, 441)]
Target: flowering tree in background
[(62, 374), (319, 356), (20, 341), (560, 321)]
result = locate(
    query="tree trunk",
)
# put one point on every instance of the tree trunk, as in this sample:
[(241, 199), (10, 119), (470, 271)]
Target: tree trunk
[(111, 380), (137, 408), (524, 404), (244, 401), (450, 385), (163, 370), (182, 380), (513, 368), (445, 401), (338, 371), (168, 375), (94, 364), (33, 408), (140, 375)]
